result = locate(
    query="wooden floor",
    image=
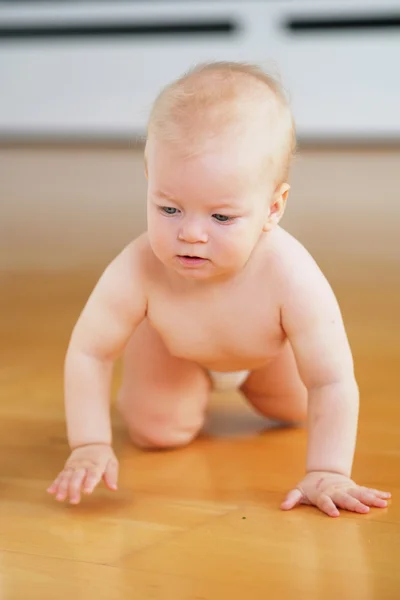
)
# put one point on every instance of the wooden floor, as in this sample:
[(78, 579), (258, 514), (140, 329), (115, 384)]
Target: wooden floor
[(202, 523)]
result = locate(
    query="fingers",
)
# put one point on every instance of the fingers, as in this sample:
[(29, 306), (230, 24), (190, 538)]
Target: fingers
[(370, 497), (54, 486), (350, 503), (63, 484), (93, 478), (356, 500), (84, 471), (68, 484), (378, 493), (326, 505), (293, 498), (359, 499), (71, 482), (75, 485), (341, 493), (111, 474)]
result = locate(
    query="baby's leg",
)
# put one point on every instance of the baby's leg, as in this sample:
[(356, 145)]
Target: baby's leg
[(162, 398), (276, 390)]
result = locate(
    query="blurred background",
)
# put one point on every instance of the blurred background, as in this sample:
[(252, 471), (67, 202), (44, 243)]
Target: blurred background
[(77, 79)]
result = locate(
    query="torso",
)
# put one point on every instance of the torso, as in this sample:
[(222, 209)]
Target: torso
[(227, 326)]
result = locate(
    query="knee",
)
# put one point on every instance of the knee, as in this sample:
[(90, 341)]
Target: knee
[(296, 416), (297, 419), (154, 437), (152, 430)]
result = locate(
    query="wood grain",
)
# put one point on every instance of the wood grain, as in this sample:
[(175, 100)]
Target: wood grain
[(202, 522)]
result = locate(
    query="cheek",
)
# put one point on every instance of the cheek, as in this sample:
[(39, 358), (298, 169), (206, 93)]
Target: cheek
[(231, 241), (161, 232), (240, 243)]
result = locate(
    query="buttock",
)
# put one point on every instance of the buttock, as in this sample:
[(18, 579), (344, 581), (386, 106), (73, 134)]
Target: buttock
[(223, 381)]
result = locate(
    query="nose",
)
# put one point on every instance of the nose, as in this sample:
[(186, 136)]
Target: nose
[(192, 231)]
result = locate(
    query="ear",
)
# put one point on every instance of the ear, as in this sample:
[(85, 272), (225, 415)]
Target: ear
[(277, 207)]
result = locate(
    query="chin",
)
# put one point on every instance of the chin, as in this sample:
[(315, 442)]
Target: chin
[(194, 275), (209, 275)]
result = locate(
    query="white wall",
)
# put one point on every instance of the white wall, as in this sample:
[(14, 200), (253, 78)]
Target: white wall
[(343, 84)]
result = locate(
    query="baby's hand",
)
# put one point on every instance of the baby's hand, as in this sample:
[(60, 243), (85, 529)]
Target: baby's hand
[(328, 491), (84, 469)]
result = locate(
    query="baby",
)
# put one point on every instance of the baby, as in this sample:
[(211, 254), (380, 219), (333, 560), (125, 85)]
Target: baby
[(215, 294)]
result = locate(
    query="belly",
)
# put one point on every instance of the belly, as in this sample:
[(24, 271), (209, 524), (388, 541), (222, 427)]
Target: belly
[(219, 337)]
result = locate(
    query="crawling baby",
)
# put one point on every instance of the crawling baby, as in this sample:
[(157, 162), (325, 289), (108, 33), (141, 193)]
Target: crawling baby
[(215, 294)]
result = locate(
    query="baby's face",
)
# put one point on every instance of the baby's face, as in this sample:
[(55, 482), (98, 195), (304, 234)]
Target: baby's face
[(206, 213)]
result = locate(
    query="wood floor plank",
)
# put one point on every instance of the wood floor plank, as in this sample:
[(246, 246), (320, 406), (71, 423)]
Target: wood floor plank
[(202, 522), (301, 553), (51, 578)]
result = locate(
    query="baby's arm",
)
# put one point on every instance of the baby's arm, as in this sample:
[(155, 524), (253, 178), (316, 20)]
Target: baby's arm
[(313, 323), (115, 307)]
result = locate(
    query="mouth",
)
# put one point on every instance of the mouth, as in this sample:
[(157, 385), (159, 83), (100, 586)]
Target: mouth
[(191, 260)]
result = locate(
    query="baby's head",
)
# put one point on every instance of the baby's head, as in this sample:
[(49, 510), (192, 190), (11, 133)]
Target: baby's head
[(219, 146)]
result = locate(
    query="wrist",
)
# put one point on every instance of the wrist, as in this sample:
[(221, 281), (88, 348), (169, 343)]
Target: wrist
[(342, 472), (80, 434), (75, 443)]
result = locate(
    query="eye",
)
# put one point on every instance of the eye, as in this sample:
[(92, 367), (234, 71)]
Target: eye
[(169, 210), (222, 218)]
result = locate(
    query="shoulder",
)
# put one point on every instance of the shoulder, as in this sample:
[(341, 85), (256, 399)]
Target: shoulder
[(302, 289), (305, 294), (136, 258), (127, 273), (294, 266)]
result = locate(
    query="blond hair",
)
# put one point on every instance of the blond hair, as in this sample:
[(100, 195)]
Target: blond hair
[(221, 98)]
